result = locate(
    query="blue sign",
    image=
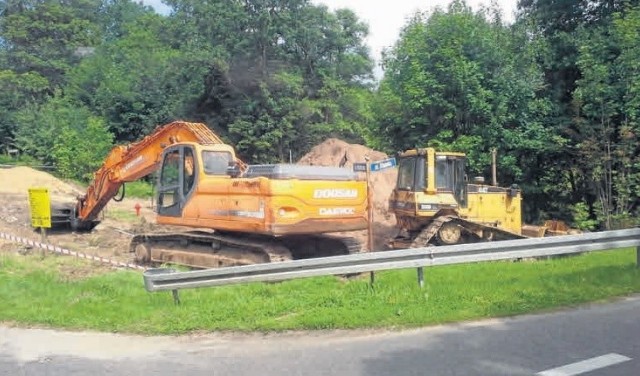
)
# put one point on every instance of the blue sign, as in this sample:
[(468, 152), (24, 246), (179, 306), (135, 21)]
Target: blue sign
[(359, 167), (383, 164)]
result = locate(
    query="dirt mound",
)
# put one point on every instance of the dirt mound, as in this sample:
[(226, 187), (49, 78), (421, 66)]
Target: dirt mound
[(18, 180), (335, 152)]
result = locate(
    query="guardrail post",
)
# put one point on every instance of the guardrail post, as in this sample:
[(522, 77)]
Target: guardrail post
[(638, 257), (421, 277), (372, 278), (176, 297)]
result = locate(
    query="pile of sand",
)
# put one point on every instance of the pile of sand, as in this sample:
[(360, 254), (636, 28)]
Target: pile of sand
[(18, 180), (335, 152)]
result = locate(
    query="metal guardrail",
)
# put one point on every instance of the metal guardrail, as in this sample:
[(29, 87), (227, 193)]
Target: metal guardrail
[(168, 279)]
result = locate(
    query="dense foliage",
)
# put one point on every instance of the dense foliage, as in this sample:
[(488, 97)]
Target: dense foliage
[(557, 92)]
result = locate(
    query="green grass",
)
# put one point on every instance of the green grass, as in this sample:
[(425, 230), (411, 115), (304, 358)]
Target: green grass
[(139, 189), (40, 292), (123, 215)]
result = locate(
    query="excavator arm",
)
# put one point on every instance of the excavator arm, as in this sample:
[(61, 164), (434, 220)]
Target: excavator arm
[(131, 162)]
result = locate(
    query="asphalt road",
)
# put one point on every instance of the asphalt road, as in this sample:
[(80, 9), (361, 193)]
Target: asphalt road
[(595, 340)]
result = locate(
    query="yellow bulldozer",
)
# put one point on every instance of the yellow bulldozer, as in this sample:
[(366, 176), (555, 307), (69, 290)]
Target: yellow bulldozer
[(435, 204)]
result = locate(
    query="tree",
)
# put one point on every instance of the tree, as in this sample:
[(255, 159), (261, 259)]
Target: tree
[(17, 91), (40, 41), (136, 81), (65, 134), (268, 75), (583, 93), (47, 37), (285, 74), (458, 74), (606, 98)]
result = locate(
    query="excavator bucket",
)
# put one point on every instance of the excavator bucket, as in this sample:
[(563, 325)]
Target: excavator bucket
[(63, 217)]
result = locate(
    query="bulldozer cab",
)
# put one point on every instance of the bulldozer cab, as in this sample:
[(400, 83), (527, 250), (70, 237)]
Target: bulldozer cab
[(433, 190), (450, 177), (430, 180)]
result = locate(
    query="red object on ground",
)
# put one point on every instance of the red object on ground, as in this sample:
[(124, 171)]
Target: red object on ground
[(137, 207)]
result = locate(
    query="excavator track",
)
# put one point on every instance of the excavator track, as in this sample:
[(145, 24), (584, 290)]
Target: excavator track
[(199, 249), (312, 246), (202, 249)]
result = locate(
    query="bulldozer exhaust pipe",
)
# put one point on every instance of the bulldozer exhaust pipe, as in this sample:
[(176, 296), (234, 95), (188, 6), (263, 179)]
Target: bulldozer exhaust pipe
[(494, 173)]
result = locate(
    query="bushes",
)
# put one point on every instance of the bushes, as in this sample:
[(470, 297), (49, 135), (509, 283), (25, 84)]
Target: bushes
[(63, 134)]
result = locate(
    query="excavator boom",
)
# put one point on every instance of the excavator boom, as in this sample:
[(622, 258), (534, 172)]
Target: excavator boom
[(126, 163)]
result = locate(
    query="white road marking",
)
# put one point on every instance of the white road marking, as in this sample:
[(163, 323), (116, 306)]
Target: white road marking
[(585, 365)]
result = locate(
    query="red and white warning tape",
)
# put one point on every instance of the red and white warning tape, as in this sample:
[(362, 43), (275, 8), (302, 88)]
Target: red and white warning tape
[(63, 251)]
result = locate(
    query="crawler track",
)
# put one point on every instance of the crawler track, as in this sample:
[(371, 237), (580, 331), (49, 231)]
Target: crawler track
[(469, 232), (201, 249)]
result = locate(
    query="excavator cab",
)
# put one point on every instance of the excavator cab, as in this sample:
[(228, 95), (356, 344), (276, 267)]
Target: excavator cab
[(434, 203), (177, 179), (183, 165)]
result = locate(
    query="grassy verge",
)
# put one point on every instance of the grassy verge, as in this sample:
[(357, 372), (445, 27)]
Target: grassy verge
[(43, 292)]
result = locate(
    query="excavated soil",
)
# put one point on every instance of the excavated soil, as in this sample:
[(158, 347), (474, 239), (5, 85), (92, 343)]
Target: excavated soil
[(119, 220), (109, 239), (335, 152)]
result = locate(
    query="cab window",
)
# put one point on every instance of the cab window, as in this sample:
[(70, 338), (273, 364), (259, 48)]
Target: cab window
[(411, 174), (189, 172), (216, 162)]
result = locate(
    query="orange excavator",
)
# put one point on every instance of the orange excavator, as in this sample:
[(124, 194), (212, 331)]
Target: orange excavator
[(236, 214)]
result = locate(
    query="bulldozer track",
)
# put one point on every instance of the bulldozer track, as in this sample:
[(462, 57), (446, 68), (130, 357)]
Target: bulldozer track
[(496, 233), (490, 233), (429, 232)]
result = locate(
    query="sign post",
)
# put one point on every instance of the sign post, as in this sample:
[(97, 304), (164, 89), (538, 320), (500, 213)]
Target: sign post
[(369, 213), (368, 168), (40, 206)]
